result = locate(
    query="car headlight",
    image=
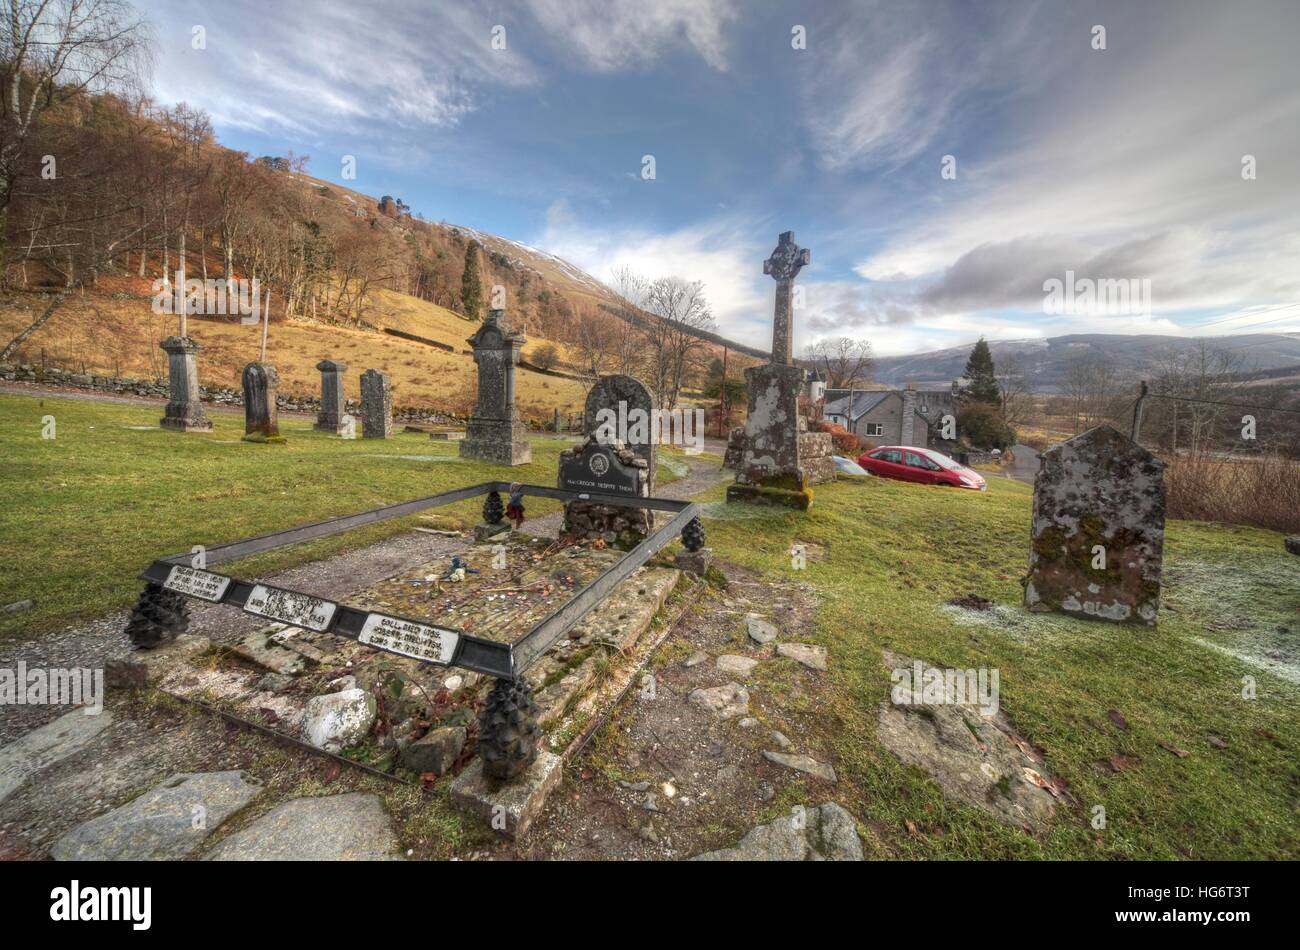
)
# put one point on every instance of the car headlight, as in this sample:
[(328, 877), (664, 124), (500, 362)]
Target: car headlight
[(968, 482)]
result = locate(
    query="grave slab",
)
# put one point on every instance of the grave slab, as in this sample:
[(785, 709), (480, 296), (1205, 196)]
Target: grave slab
[(167, 823), (51, 743), (351, 827)]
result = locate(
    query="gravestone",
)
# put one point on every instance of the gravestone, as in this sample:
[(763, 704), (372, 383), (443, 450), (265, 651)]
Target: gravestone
[(607, 469), (261, 415), (495, 432), (632, 408), (777, 459), (332, 415), (376, 405), (1097, 535), (184, 412)]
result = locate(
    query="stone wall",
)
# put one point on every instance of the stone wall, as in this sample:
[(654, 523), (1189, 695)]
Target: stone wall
[(217, 395)]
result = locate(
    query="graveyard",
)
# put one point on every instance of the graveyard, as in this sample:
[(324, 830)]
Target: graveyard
[(618, 523), (951, 597)]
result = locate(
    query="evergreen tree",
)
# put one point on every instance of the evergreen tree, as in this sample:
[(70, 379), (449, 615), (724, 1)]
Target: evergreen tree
[(981, 381), (471, 287)]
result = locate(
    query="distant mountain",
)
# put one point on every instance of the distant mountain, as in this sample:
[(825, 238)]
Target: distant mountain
[(1045, 360)]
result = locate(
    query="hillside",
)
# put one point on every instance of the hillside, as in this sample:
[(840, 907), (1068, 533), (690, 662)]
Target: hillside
[(1046, 361)]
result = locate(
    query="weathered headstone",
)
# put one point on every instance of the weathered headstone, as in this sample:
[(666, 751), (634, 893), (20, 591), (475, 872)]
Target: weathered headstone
[(626, 402), (376, 405), (184, 412), (261, 415), (778, 459), (608, 470), (332, 415), (1097, 535), (495, 432)]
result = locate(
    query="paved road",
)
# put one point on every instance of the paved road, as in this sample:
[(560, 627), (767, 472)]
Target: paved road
[(1025, 467)]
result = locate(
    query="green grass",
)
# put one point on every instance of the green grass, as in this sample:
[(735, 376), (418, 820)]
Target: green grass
[(898, 552), (85, 512)]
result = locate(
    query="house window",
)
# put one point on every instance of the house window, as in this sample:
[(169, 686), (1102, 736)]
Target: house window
[(874, 428)]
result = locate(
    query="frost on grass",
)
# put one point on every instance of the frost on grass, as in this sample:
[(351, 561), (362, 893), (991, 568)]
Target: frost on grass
[(1247, 608), (1015, 621), (721, 511)]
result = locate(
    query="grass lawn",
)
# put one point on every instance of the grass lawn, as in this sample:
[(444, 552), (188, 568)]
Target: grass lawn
[(896, 553), (85, 512)]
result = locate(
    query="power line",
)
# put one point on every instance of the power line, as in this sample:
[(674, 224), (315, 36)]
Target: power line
[(1237, 405)]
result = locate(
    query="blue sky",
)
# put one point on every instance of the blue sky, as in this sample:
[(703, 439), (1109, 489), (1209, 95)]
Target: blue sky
[(1120, 163)]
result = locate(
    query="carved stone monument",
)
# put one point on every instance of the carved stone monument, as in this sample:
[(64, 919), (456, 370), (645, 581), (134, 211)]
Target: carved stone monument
[(332, 416), (1097, 535), (261, 415), (376, 405), (184, 412), (607, 469), (625, 400), (777, 458), (495, 432)]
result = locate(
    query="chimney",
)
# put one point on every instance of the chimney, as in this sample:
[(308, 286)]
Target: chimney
[(909, 413)]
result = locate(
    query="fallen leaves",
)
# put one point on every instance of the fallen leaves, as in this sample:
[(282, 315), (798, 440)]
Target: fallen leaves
[(1117, 719), (1170, 747)]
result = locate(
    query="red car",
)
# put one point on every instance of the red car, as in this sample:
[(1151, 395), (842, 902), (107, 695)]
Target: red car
[(910, 464)]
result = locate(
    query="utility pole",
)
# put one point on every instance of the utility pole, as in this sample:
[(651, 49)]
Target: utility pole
[(722, 397), (1137, 411)]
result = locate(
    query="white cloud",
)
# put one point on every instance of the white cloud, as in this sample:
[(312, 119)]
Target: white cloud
[(610, 35), (723, 253), (1133, 170)]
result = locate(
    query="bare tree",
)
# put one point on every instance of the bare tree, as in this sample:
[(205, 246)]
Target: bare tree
[(844, 361), (1016, 390), (675, 347), (51, 50)]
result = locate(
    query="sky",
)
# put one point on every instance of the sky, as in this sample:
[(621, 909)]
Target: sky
[(943, 161)]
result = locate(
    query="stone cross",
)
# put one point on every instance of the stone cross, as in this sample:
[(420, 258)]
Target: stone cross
[(261, 415), (184, 412), (332, 409), (784, 266), (1098, 528), (376, 405), (495, 432)]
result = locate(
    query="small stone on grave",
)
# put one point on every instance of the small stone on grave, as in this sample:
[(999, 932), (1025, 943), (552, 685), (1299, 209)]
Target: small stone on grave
[(811, 656)]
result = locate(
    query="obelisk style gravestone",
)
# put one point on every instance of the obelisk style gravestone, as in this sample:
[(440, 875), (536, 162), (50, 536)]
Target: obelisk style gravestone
[(331, 415), (376, 405), (184, 412), (1098, 529), (261, 415), (777, 458), (495, 432)]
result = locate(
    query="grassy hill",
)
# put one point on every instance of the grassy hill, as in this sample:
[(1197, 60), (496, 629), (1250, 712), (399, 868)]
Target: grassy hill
[(113, 331)]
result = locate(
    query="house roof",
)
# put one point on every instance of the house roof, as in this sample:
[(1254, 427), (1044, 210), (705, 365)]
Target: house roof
[(863, 401)]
